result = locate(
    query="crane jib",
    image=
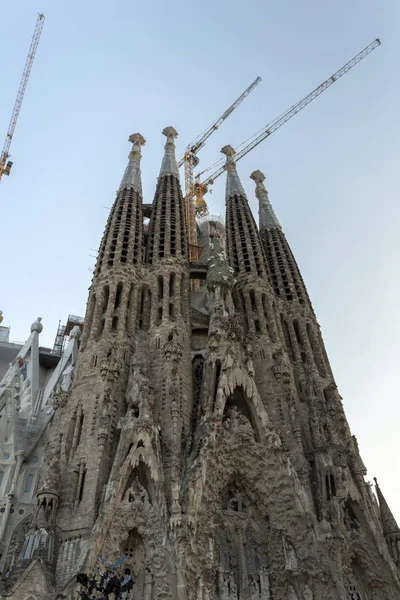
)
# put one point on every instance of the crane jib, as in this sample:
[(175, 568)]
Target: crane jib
[(293, 110), (5, 166)]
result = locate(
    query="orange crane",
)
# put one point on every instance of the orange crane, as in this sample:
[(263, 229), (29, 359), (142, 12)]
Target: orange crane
[(5, 164), (190, 161), (201, 187)]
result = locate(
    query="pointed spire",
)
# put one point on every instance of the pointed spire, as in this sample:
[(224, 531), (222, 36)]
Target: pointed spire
[(233, 183), (389, 524), (168, 165), (267, 216), (132, 176)]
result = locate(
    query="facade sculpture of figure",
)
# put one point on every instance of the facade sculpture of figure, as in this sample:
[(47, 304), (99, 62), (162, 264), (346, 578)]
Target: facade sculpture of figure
[(264, 584), (292, 594), (148, 583), (307, 593), (291, 558), (273, 439), (223, 584), (233, 591), (254, 590)]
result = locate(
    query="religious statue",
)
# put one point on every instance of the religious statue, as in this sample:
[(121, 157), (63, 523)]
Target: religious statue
[(273, 439), (291, 558), (307, 593), (264, 582), (254, 589), (232, 587), (292, 594)]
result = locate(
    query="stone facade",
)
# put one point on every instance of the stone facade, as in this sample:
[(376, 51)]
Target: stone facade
[(203, 435)]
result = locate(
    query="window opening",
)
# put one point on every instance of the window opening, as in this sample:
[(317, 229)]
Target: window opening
[(82, 486), (296, 327), (28, 484), (171, 284), (118, 295)]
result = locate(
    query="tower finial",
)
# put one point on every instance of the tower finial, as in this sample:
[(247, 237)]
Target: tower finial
[(168, 165), (267, 216), (132, 176), (233, 183)]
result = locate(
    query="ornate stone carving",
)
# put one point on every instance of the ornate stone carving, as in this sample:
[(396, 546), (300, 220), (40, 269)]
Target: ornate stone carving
[(110, 367), (281, 366), (236, 422), (290, 556), (292, 594), (37, 325), (273, 439), (307, 593), (139, 395), (60, 400), (173, 349), (51, 470)]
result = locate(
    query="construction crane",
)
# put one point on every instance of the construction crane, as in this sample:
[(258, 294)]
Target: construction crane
[(201, 187), (190, 161), (5, 164)]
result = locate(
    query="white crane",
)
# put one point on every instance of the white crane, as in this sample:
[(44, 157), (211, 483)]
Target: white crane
[(5, 164)]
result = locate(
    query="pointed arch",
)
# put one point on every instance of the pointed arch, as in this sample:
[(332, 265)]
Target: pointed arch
[(17, 540), (140, 465), (249, 398), (239, 408), (357, 585), (140, 477), (242, 540)]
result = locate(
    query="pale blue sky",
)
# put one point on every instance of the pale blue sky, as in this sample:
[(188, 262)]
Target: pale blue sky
[(104, 70)]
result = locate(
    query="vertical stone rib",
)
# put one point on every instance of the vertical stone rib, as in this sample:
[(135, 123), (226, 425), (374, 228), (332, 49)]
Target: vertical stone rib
[(244, 246), (281, 265), (168, 228), (123, 235)]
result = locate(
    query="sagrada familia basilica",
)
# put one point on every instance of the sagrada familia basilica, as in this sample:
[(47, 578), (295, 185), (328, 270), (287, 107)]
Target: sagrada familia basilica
[(192, 429)]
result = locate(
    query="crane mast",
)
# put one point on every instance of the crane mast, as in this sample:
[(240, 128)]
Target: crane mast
[(190, 161), (201, 187), (5, 164)]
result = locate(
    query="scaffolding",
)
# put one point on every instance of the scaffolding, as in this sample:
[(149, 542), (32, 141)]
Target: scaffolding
[(63, 331)]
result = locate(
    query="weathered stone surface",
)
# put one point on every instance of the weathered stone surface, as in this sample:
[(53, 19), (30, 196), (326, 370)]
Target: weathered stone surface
[(202, 434)]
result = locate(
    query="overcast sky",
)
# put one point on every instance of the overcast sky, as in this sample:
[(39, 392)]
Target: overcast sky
[(105, 70)]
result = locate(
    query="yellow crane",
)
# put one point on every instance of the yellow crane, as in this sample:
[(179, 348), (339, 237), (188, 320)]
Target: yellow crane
[(201, 187), (190, 160), (5, 163)]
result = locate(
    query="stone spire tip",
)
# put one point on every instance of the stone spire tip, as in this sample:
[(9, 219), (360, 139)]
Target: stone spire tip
[(132, 177), (170, 132), (228, 151), (267, 216), (258, 177), (169, 165), (137, 139), (233, 183)]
